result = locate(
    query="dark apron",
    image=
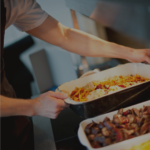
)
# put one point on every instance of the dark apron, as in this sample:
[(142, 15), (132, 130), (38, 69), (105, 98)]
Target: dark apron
[(16, 131)]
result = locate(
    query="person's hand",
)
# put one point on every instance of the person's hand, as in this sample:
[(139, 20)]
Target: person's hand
[(49, 104), (141, 55)]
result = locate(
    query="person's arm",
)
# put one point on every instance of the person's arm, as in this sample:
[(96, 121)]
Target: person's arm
[(49, 104), (85, 44)]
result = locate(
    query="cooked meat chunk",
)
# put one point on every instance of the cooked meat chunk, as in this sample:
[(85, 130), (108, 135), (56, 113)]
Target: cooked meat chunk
[(119, 136), (105, 132), (144, 128), (127, 112), (106, 119), (91, 137), (116, 121), (89, 126), (146, 112), (120, 111), (134, 126), (99, 138), (101, 125), (141, 121), (144, 108), (136, 112), (95, 130), (124, 120), (129, 132), (109, 125), (132, 118), (95, 144), (116, 116), (120, 126), (126, 135), (146, 116), (148, 109), (107, 142)]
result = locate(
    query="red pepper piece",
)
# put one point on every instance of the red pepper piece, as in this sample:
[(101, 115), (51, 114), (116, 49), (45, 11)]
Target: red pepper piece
[(98, 87), (122, 86), (73, 92), (119, 136), (127, 112)]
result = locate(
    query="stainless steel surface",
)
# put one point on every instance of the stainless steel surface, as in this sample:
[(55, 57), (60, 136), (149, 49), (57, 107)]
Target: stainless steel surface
[(131, 19)]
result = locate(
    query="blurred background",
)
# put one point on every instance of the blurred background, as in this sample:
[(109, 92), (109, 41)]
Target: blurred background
[(34, 66)]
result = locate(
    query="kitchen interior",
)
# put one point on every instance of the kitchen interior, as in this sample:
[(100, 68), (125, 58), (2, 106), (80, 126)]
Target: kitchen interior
[(40, 66)]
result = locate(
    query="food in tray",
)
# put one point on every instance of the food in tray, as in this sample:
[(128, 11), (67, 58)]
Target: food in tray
[(143, 146), (96, 89), (124, 125)]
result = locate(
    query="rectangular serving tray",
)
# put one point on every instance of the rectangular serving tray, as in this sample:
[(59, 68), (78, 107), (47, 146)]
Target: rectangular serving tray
[(127, 69), (124, 145)]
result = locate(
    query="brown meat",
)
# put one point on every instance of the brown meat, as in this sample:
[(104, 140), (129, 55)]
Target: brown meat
[(91, 137), (119, 136), (101, 125), (134, 126), (116, 116), (107, 142), (144, 128), (146, 112), (109, 125), (106, 119), (138, 119), (144, 108), (141, 121), (105, 132), (99, 138), (120, 125), (127, 112), (132, 118), (95, 144), (95, 130), (124, 119), (129, 132), (116, 121), (120, 111), (137, 131), (146, 116), (136, 112), (89, 126), (148, 109), (126, 135)]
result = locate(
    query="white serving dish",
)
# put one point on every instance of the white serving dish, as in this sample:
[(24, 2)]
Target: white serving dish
[(127, 69), (124, 145)]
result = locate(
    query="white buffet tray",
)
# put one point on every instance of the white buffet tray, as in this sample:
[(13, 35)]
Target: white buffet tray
[(127, 144), (127, 69)]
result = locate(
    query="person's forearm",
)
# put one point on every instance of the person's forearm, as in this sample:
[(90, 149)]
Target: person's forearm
[(15, 107), (77, 41), (88, 45), (85, 44)]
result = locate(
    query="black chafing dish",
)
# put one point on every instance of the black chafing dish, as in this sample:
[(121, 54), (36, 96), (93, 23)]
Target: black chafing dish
[(113, 102)]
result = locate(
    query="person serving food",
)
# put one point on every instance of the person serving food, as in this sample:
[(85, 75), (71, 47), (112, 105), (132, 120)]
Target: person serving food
[(28, 17)]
